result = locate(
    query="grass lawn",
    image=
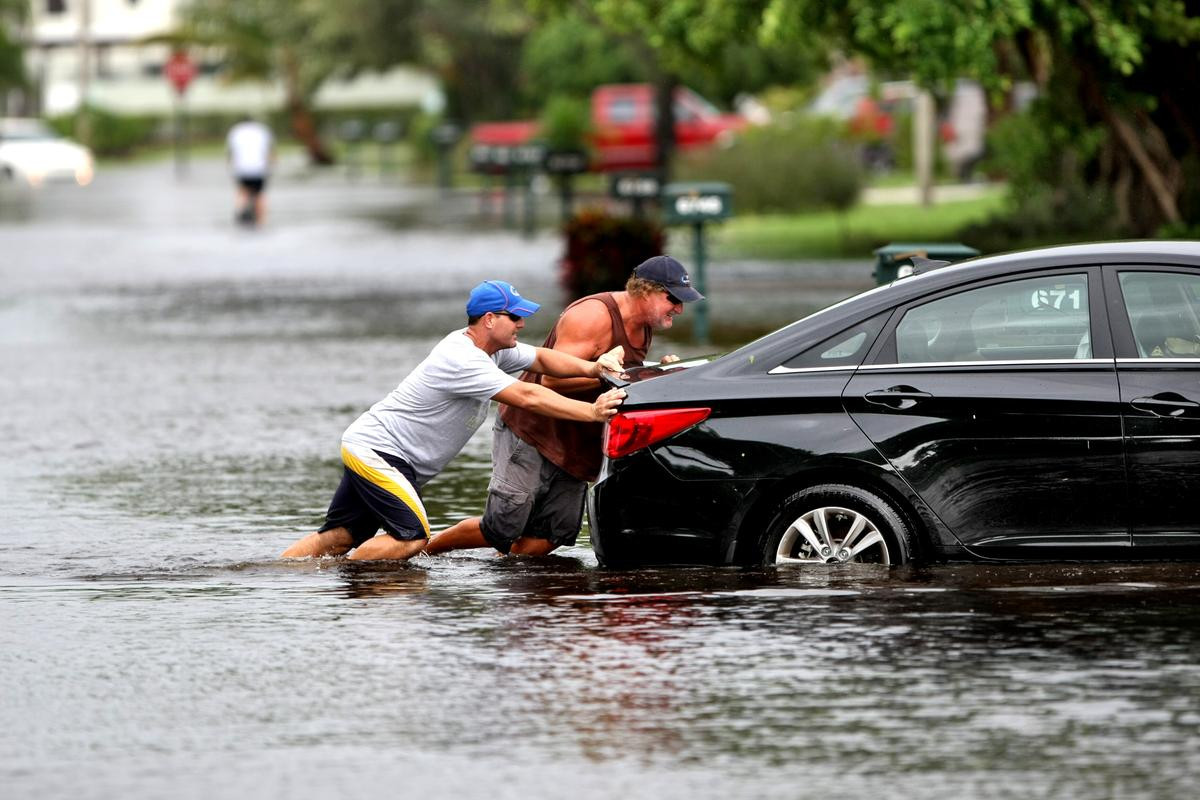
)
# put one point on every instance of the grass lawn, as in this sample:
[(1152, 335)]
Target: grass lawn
[(851, 235)]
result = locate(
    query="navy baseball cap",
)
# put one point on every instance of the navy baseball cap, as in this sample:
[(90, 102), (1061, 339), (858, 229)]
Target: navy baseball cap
[(498, 296), (671, 274)]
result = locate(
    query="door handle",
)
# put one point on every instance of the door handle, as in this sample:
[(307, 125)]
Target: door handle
[(1166, 404), (899, 397)]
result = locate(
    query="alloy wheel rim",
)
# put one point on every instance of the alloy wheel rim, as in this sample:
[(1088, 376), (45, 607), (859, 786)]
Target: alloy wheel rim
[(832, 535)]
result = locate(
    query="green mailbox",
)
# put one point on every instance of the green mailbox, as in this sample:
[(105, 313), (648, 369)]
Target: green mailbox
[(695, 204), (701, 201), (890, 258)]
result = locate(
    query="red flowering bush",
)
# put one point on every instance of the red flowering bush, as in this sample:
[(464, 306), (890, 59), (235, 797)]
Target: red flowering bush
[(603, 249)]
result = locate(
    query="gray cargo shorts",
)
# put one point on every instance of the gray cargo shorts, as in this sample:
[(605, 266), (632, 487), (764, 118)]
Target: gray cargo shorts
[(529, 496)]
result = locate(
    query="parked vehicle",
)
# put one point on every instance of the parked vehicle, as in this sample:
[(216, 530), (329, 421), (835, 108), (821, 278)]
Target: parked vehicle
[(623, 126), (31, 151), (1036, 405)]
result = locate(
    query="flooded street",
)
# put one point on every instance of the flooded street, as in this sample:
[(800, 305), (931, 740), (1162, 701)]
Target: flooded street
[(173, 395)]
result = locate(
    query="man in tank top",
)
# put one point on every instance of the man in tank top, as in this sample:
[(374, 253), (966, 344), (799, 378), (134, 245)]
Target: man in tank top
[(408, 437), (541, 466)]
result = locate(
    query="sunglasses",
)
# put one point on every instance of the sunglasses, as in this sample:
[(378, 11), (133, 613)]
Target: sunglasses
[(675, 301), (513, 317)]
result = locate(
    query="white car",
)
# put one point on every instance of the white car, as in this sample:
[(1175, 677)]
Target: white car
[(30, 150)]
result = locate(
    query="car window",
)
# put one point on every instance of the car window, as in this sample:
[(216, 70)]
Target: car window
[(1164, 312), (1026, 320), (622, 109), (845, 349)]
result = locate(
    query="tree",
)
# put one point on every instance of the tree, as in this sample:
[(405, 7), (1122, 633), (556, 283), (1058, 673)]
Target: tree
[(1124, 69), (301, 43), (12, 68), (703, 41)]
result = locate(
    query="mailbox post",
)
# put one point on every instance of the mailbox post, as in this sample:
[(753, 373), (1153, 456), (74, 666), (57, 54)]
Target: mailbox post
[(386, 133), (696, 204), (444, 137), (526, 160), (480, 160), (352, 132), (564, 165), (636, 187)]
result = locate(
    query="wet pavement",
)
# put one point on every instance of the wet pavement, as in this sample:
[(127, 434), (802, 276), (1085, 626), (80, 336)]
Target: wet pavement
[(173, 393)]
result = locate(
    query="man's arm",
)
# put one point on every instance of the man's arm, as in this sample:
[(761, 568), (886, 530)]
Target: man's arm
[(584, 332), (540, 400)]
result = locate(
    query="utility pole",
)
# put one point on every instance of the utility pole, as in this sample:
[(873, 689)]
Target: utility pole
[(83, 123), (923, 136)]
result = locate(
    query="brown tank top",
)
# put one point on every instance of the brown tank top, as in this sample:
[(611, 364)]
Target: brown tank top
[(574, 446)]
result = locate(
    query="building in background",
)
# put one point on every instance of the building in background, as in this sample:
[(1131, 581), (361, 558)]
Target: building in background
[(126, 77)]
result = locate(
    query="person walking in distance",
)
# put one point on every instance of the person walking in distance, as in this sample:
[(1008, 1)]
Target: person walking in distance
[(250, 150), (408, 437), (541, 466)]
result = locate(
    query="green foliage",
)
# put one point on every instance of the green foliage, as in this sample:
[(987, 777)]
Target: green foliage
[(853, 234), (1046, 157), (112, 134), (594, 58), (603, 249), (13, 14), (565, 123), (420, 138), (798, 165)]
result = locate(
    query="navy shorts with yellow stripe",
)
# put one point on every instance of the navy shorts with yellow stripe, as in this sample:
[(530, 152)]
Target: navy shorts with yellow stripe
[(378, 490)]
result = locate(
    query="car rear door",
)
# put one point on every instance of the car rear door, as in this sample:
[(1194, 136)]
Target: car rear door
[(1155, 316), (998, 403)]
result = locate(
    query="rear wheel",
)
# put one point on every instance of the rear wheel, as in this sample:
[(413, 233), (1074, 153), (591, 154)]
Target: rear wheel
[(836, 524)]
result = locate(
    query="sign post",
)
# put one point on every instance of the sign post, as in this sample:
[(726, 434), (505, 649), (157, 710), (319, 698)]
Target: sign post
[(637, 187), (444, 137), (696, 204), (179, 71), (564, 165)]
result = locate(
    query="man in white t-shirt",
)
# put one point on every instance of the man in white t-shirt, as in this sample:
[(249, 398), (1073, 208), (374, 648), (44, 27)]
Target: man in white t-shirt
[(408, 437), (250, 150)]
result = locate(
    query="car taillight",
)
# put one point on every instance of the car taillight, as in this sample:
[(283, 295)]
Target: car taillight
[(630, 431)]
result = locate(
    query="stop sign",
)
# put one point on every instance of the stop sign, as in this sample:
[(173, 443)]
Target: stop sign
[(179, 70)]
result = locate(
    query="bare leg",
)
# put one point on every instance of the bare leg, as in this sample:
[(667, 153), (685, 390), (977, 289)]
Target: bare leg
[(387, 547), (460, 536), (260, 208), (333, 542)]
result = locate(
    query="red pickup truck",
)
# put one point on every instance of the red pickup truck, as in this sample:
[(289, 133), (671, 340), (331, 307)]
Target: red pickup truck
[(622, 136)]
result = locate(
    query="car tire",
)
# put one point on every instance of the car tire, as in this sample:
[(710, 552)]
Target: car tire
[(834, 524)]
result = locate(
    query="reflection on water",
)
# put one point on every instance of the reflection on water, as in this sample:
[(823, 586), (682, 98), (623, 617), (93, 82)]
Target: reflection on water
[(168, 433)]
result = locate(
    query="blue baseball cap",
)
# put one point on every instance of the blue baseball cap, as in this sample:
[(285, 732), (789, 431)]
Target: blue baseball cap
[(498, 296)]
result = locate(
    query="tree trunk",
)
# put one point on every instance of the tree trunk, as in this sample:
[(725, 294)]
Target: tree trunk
[(1154, 177), (300, 116), (304, 128)]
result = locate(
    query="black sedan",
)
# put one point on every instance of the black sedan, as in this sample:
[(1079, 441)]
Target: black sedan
[(1036, 405)]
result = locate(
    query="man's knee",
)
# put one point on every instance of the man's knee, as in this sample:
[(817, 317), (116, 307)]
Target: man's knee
[(335, 541), (529, 546)]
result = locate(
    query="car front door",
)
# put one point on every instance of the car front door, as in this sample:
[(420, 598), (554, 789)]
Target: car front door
[(998, 404), (1155, 313)]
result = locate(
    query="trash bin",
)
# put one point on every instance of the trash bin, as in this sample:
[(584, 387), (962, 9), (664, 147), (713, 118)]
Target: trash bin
[(891, 257)]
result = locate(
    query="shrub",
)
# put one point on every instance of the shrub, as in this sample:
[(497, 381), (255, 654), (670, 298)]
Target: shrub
[(112, 134), (603, 249), (802, 164), (565, 123)]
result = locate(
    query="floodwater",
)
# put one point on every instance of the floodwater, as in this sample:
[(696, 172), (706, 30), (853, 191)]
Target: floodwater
[(172, 396)]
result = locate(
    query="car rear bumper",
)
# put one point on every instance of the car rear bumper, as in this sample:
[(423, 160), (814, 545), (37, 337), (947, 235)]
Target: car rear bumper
[(640, 514)]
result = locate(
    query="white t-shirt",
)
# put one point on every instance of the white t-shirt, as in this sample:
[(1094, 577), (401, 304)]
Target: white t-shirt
[(249, 145), (429, 417)]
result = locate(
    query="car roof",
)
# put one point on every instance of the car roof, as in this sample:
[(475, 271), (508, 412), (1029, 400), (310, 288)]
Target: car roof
[(24, 128), (831, 320)]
